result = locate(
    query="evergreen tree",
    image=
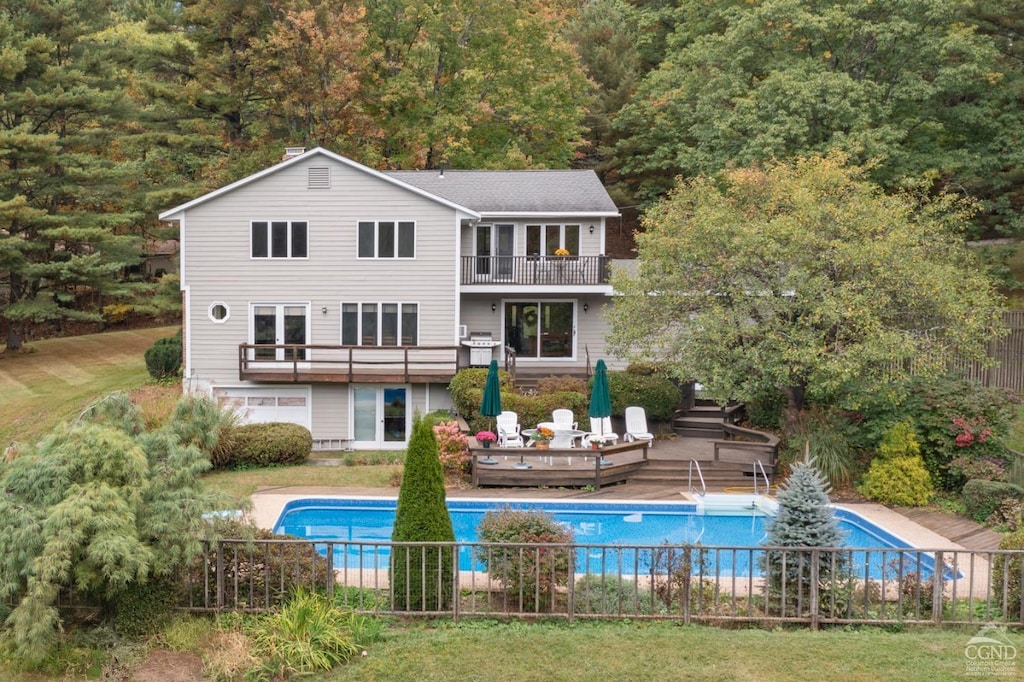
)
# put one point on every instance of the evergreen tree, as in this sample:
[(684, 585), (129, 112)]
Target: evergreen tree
[(804, 520), (422, 577), (65, 234), (99, 505)]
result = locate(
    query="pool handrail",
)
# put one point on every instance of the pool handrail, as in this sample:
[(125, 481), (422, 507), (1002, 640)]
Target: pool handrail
[(689, 479)]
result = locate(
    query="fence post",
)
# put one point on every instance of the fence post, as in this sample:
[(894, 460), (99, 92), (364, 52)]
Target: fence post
[(814, 596), (220, 575), (456, 595), (937, 573), (330, 569), (571, 604)]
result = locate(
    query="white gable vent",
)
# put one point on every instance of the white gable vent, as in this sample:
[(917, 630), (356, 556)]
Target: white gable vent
[(318, 177)]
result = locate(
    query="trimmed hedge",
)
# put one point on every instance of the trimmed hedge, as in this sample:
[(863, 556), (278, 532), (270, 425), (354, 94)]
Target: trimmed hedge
[(983, 498), (1007, 567), (267, 444)]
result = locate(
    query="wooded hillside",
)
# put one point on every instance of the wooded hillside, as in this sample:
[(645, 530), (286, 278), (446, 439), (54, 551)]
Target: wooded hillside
[(112, 110)]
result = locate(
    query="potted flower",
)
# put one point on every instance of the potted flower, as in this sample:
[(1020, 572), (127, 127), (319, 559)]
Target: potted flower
[(542, 437), (561, 252), (597, 441), (486, 437)]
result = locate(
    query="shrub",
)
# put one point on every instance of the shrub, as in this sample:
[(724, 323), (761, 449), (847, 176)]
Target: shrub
[(142, 608), (940, 408), (268, 444), (1007, 568), (659, 397), (163, 358), (273, 570), (467, 388), (824, 436), (452, 447), (116, 313), (984, 468), (612, 595), (766, 410), (421, 577), (983, 498), (897, 476), (309, 634), (529, 574), (558, 384)]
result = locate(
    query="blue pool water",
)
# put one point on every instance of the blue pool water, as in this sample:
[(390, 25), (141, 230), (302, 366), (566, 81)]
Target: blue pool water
[(367, 522)]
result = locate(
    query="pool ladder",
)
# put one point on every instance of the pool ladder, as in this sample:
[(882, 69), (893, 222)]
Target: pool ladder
[(759, 469), (689, 479)]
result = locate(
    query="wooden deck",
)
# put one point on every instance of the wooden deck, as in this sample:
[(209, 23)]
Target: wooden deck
[(960, 530), (562, 467)]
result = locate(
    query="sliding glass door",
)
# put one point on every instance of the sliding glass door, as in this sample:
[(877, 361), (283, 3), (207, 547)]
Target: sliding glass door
[(541, 329)]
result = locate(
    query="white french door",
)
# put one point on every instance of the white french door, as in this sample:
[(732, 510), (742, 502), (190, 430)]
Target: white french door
[(495, 248), (275, 324), (380, 417)]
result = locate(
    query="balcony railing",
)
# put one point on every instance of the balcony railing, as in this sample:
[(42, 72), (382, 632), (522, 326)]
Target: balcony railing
[(516, 270), (346, 364)]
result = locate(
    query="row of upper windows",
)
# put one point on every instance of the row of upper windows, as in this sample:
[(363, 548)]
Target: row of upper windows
[(290, 239)]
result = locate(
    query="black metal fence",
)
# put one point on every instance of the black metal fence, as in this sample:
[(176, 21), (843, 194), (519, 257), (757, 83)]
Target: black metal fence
[(690, 583)]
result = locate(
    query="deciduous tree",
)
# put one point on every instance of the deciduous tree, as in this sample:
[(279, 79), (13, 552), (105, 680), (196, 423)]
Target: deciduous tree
[(802, 280)]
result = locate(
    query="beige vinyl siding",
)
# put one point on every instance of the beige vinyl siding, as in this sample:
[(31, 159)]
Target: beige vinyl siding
[(218, 266)]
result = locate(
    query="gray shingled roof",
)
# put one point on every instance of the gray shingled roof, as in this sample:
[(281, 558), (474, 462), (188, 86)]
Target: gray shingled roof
[(532, 191)]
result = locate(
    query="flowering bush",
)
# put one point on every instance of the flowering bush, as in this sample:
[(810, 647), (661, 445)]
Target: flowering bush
[(970, 431), (984, 468), (543, 434), (452, 447), (488, 436)]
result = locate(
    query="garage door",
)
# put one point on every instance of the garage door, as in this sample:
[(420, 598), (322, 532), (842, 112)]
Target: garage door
[(260, 405)]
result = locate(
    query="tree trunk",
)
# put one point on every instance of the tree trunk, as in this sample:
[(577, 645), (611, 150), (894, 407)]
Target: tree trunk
[(794, 407)]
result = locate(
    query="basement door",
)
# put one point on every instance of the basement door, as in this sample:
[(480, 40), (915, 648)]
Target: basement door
[(380, 417)]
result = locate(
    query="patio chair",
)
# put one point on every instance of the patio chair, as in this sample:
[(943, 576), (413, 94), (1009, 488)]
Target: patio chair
[(563, 419), (636, 426), (601, 426), (508, 430)]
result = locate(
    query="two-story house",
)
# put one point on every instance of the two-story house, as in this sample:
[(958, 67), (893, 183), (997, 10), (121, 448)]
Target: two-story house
[(326, 293)]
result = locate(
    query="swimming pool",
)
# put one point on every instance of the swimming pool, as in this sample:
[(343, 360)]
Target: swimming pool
[(368, 522)]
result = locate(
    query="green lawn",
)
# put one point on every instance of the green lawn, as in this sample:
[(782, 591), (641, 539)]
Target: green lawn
[(586, 652), (55, 379)]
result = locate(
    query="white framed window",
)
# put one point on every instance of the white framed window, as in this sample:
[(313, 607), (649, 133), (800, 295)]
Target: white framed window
[(379, 324), (219, 312), (386, 239), (276, 328), (279, 239), (545, 240)]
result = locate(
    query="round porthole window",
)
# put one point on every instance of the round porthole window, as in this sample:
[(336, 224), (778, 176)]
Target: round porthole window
[(219, 312)]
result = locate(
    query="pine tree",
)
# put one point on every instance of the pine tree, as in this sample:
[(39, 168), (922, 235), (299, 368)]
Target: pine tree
[(422, 577), (99, 505), (804, 520), (65, 230)]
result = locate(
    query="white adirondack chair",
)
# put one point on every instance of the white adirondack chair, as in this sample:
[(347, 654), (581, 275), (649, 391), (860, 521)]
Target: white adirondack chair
[(601, 426), (636, 426), (509, 435), (563, 419)]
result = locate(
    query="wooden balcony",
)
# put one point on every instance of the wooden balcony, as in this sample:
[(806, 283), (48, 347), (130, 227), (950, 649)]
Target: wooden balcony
[(531, 270), (347, 364)]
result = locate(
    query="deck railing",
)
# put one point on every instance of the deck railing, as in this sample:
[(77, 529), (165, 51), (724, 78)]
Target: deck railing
[(685, 582), (319, 362), (515, 270)]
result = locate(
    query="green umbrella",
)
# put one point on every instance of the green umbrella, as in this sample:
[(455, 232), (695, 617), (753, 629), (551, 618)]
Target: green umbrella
[(600, 399), (490, 405)]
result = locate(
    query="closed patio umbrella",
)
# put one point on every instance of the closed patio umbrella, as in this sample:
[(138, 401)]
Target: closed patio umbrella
[(490, 403), (600, 398)]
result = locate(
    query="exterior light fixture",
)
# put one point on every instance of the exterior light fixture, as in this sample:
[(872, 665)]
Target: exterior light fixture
[(494, 307), (591, 229)]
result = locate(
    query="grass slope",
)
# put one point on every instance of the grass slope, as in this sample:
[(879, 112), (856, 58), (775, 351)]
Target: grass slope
[(56, 378)]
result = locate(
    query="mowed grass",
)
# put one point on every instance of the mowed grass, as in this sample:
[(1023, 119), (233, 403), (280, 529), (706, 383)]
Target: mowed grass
[(241, 483), (55, 379), (584, 652)]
